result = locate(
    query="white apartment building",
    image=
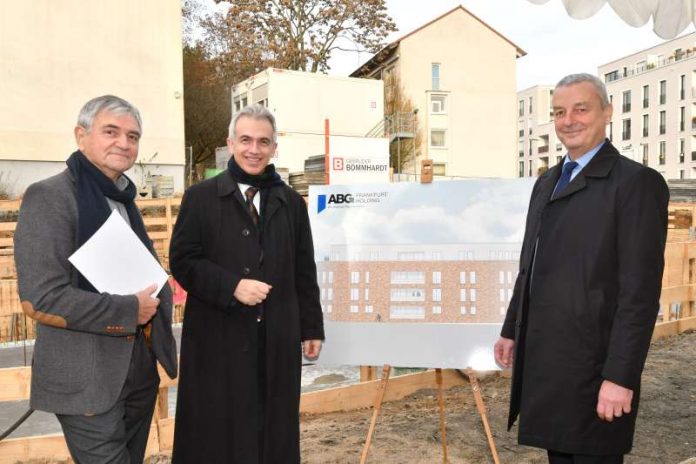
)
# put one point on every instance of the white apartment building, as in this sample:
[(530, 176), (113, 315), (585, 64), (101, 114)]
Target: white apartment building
[(302, 101), (538, 148), (654, 97), (460, 75)]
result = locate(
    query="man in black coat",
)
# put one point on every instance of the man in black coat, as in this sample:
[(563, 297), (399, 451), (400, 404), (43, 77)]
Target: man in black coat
[(587, 294), (242, 248)]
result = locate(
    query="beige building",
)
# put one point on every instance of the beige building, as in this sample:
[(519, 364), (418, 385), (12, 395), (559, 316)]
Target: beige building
[(654, 98), (56, 55), (460, 75), (538, 148), (302, 101), (418, 283)]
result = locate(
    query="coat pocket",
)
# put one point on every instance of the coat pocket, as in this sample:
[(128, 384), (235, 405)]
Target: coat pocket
[(63, 360)]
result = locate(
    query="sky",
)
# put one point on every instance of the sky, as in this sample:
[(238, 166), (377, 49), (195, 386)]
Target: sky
[(556, 44)]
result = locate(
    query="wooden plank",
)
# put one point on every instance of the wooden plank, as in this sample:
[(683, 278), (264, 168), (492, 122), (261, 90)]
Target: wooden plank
[(361, 395), (166, 434), (10, 205), (8, 226), (14, 450), (6, 242), (15, 383)]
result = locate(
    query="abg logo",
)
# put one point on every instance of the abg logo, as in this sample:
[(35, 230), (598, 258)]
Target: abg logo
[(340, 198)]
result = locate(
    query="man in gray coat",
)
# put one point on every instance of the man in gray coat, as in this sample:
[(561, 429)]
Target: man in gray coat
[(95, 356)]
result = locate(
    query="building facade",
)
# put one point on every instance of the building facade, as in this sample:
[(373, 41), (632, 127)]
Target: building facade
[(459, 74), (538, 148), (418, 283), (654, 97), (57, 55), (303, 101)]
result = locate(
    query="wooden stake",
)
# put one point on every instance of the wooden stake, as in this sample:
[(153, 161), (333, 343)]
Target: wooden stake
[(441, 405), (482, 411), (377, 406)]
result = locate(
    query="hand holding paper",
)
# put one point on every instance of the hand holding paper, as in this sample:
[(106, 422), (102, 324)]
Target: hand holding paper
[(115, 261)]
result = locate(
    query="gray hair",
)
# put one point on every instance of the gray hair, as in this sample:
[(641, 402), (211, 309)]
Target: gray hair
[(596, 82), (109, 103), (254, 111)]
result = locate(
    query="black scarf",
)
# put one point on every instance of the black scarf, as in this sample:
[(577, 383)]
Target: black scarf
[(267, 179), (93, 188)]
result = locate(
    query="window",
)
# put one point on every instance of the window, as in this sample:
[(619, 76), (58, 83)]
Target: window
[(329, 293), (462, 277), (682, 89), (354, 277), (367, 277), (509, 294), (472, 294), (437, 294), (502, 295), (437, 309), (611, 76), (407, 294), (646, 125), (439, 169), (472, 277), (509, 277), (354, 294), (330, 277), (626, 105), (406, 312), (530, 105), (663, 152), (520, 111), (407, 277), (462, 309), (437, 256), (374, 256), (323, 293), (501, 277), (368, 308), (435, 70), (520, 172), (462, 294), (502, 310), (646, 96), (437, 138), (681, 151), (645, 154), (354, 308), (663, 92), (410, 256), (626, 130), (329, 308), (682, 118), (437, 277), (472, 310), (367, 294), (663, 122), (438, 104)]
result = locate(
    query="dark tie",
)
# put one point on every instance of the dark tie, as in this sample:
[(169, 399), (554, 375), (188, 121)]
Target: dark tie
[(249, 194), (565, 177)]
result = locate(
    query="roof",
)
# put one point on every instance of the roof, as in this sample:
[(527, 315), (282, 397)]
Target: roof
[(387, 51)]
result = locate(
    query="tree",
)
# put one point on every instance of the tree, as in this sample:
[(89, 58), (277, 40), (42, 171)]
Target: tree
[(298, 34), (401, 125)]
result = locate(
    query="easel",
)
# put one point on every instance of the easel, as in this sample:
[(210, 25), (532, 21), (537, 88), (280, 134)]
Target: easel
[(469, 374)]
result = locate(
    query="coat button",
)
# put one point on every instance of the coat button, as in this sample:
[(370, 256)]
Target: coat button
[(246, 271), (245, 232)]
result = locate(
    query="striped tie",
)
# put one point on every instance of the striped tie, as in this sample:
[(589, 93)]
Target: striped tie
[(249, 194)]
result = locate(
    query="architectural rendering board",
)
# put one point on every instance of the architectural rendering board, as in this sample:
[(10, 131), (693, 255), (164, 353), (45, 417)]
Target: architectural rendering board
[(430, 264)]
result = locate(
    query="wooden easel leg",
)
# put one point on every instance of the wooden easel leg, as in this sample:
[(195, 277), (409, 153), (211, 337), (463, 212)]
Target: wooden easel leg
[(473, 381), (441, 406), (377, 406)]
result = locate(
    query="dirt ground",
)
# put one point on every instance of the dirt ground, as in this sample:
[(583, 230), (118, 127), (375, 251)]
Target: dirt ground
[(408, 432)]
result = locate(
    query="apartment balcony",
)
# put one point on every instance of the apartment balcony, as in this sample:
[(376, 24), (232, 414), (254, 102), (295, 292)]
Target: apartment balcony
[(616, 76), (544, 149)]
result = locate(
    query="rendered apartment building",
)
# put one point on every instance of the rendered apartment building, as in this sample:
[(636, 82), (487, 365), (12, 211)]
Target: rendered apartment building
[(459, 74), (654, 97), (57, 55), (418, 283)]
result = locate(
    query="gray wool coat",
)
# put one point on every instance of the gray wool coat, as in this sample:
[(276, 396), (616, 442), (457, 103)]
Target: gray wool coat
[(84, 339)]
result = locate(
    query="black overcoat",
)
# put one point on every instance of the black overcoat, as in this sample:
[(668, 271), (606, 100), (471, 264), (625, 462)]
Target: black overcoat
[(588, 311), (214, 245)]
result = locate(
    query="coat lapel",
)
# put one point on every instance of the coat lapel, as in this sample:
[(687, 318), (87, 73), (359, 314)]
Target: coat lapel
[(599, 166), (276, 199)]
